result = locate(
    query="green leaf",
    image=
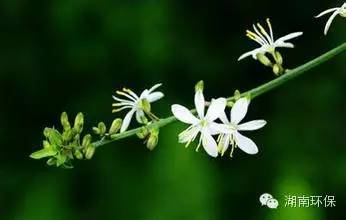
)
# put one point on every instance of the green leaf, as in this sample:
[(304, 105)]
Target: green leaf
[(45, 152)]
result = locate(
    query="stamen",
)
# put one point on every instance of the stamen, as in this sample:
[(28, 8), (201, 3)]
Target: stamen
[(129, 91), (126, 95), (264, 32), (260, 35), (270, 29)]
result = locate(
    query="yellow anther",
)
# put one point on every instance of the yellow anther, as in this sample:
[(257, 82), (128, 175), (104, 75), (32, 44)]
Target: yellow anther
[(263, 31)]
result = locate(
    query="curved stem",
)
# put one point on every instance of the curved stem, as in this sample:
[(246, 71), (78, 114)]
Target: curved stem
[(253, 92)]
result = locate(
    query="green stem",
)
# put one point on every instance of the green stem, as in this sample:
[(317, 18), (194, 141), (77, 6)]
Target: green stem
[(253, 92)]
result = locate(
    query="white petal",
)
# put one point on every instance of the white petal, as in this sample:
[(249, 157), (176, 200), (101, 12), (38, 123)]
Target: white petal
[(200, 103), (252, 53), (216, 108), (154, 96), (251, 125), (245, 144), (127, 120), (329, 22), (139, 115), (289, 36), (215, 128), (154, 87), (209, 144), (183, 114), (284, 44), (239, 110), (223, 118), (144, 94), (326, 12)]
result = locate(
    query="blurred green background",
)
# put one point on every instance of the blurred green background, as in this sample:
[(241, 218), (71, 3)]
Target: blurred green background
[(71, 55)]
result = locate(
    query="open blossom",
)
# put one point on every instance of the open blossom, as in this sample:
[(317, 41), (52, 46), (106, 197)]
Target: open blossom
[(266, 40), (232, 136), (202, 124), (136, 104), (336, 11)]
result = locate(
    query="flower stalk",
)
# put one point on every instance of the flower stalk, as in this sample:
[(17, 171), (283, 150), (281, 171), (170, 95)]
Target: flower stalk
[(253, 93)]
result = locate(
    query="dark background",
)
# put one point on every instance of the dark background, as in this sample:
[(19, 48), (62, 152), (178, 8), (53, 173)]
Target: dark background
[(71, 55)]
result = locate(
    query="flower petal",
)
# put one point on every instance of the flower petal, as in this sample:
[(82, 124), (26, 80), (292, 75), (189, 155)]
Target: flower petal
[(326, 12), (245, 144), (215, 128), (200, 103), (239, 110), (189, 134), (289, 36), (329, 22), (209, 144), (223, 118), (252, 53), (154, 87), (139, 115), (183, 114), (216, 108), (251, 125), (155, 96), (127, 120)]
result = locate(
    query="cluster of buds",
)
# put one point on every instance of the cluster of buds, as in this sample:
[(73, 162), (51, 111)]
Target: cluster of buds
[(62, 147)]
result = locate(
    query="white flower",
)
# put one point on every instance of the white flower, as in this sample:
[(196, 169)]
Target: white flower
[(337, 11), (135, 103), (203, 123), (267, 42), (232, 136)]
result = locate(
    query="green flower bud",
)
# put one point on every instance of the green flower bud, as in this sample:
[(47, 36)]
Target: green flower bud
[(60, 159), (64, 121), (67, 135), (55, 137), (230, 104), (264, 59), (278, 58), (276, 69), (78, 154), (153, 139), (199, 86), (51, 161), (237, 94), (143, 133), (96, 130), (90, 151), (46, 145), (102, 128), (79, 122), (86, 140), (116, 125), (46, 132)]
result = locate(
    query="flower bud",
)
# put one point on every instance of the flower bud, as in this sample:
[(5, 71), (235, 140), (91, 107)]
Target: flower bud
[(79, 122), (51, 161), (237, 94), (102, 128), (46, 144), (78, 154), (153, 139), (64, 121), (143, 133), (46, 132), (90, 151), (67, 135), (54, 137), (199, 86), (116, 125), (86, 140), (230, 104), (276, 69), (278, 58), (264, 59)]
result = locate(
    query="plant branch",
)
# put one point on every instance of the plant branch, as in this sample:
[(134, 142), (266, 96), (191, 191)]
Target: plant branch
[(253, 92)]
